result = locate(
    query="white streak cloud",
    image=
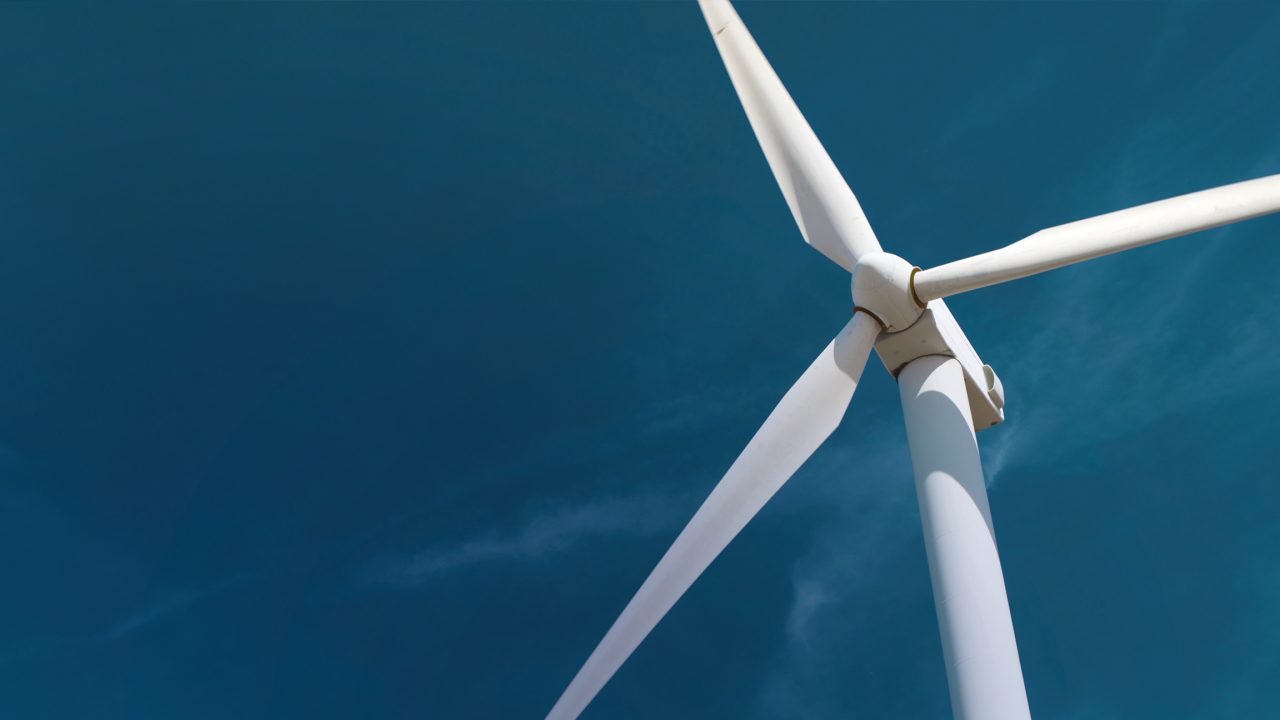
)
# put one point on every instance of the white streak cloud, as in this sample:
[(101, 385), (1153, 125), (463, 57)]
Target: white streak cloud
[(538, 538)]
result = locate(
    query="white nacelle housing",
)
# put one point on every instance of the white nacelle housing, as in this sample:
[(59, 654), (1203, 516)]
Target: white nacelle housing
[(938, 333)]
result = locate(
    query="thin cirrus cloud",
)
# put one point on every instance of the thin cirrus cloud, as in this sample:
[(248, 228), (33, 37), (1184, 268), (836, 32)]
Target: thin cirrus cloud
[(536, 539), (569, 524), (153, 609)]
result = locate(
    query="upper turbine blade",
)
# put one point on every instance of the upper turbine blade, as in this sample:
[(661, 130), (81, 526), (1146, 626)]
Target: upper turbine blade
[(807, 415), (1102, 235), (824, 207)]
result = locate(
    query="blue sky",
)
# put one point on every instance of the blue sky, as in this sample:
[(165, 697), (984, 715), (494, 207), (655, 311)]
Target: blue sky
[(360, 361)]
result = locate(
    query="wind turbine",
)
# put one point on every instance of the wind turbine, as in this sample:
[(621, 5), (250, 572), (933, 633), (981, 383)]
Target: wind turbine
[(947, 392)]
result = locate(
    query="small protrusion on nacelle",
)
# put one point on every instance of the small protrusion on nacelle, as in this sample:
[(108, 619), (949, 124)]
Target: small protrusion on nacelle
[(995, 388), (882, 286)]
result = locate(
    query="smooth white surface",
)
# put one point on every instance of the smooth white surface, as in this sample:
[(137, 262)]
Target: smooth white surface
[(805, 417), (882, 285), (983, 670), (1103, 235), (828, 214)]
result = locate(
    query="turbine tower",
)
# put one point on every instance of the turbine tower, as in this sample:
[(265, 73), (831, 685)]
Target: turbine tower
[(947, 392)]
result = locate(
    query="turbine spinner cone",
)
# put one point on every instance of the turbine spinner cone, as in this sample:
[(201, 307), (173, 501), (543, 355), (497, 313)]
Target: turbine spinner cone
[(882, 287)]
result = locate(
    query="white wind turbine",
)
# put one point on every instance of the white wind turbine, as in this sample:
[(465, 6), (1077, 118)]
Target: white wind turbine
[(946, 391)]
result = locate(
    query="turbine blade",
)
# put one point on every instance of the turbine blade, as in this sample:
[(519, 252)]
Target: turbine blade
[(1102, 235), (807, 415), (829, 216)]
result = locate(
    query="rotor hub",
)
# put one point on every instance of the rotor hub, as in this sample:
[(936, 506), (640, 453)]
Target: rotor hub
[(882, 287)]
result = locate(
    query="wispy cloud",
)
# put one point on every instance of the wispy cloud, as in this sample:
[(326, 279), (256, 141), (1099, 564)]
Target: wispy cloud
[(564, 525), (868, 512), (537, 538), (153, 609), (810, 595)]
